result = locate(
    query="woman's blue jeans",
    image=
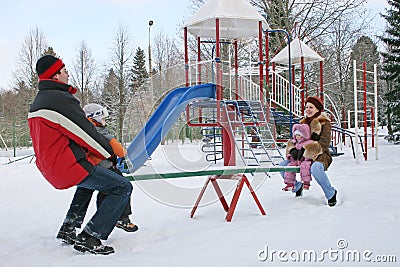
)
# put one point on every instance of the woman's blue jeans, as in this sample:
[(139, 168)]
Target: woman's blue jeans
[(117, 190), (318, 172)]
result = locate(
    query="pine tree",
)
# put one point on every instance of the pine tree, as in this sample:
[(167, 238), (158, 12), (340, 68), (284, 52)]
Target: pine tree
[(139, 72), (365, 50), (108, 99), (391, 65)]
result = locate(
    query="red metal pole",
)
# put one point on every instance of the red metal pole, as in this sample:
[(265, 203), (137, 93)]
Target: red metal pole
[(321, 80), (235, 199), (203, 190), (254, 195), (267, 57), (219, 193), (218, 67), (198, 61), (267, 89), (185, 37), (261, 63), (228, 145), (365, 109), (218, 62), (302, 84), (293, 76)]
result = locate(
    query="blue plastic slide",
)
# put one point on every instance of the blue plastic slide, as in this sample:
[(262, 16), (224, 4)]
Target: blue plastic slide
[(157, 127)]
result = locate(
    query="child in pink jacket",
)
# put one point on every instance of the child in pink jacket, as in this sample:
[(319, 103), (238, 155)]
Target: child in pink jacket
[(294, 153)]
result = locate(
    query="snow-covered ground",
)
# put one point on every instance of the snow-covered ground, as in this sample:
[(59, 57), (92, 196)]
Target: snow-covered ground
[(363, 227)]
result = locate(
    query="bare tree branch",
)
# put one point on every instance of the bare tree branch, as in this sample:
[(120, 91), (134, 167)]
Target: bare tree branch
[(83, 72)]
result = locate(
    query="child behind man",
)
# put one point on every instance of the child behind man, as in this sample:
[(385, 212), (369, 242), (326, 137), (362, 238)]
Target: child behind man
[(97, 114), (295, 154)]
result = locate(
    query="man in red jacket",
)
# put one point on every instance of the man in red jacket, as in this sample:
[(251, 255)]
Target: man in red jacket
[(62, 137)]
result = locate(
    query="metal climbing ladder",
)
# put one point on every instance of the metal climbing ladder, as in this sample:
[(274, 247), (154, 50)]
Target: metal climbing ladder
[(253, 137), (212, 146)]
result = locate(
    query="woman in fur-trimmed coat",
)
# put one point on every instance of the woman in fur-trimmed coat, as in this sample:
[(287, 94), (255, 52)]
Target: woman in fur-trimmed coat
[(318, 151)]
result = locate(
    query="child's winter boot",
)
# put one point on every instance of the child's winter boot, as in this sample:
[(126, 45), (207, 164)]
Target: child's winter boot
[(306, 185), (126, 225), (288, 187)]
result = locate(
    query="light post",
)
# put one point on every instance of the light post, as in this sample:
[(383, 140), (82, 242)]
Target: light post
[(150, 69)]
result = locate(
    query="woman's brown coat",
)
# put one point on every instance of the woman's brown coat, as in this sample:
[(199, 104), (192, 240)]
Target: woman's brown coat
[(317, 150)]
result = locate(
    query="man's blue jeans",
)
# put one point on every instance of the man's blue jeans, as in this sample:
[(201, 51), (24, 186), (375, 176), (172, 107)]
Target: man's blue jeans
[(117, 191), (78, 207), (318, 172), (80, 203)]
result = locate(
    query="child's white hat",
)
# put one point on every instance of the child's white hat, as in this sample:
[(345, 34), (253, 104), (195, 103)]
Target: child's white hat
[(95, 111), (297, 132)]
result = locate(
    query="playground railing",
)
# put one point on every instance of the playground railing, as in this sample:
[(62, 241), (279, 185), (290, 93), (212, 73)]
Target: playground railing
[(279, 94), (350, 134)]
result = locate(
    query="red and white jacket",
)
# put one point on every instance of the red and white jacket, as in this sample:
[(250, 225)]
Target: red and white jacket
[(62, 136)]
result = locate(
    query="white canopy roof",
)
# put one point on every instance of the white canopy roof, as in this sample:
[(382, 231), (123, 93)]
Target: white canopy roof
[(298, 49), (237, 19)]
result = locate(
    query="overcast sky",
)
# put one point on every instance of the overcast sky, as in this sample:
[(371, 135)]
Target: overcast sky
[(65, 23)]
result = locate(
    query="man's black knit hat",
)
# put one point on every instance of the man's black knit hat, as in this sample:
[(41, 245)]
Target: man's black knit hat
[(47, 66)]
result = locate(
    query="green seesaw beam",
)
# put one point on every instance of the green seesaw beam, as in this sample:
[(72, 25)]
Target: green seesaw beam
[(227, 171)]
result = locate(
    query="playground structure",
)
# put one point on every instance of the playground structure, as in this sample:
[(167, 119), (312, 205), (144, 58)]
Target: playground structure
[(235, 107), (207, 106)]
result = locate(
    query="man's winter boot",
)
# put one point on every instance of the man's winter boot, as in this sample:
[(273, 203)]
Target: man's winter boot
[(87, 243), (332, 201), (67, 234)]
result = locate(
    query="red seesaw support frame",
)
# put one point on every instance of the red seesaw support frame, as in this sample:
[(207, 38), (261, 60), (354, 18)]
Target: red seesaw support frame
[(242, 179), (236, 173)]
